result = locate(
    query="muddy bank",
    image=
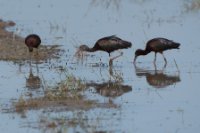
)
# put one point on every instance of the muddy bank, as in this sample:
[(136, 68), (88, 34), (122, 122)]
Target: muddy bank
[(12, 47)]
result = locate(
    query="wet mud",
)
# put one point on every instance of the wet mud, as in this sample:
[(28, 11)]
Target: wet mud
[(13, 48)]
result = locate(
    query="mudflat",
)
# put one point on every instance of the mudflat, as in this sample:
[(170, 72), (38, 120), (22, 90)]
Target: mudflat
[(13, 48)]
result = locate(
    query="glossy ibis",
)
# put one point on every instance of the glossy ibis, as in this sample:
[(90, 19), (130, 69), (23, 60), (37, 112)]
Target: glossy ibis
[(157, 45), (32, 41), (107, 44)]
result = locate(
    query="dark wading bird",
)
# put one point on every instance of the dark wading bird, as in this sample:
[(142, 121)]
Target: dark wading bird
[(157, 45), (107, 44), (32, 41)]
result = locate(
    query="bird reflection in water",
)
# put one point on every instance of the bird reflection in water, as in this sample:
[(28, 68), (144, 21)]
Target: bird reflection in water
[(33, 81), (157, 78), (112, 88)]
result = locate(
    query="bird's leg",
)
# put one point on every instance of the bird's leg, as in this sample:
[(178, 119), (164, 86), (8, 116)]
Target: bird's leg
[(164, 66), (37, 60), (100, 62), (30, 60), (37, 53), (110, 62), (110, 71), (176, 66), (37, 68), (155, 58), (164, 59), (155, 67), (113, 58)]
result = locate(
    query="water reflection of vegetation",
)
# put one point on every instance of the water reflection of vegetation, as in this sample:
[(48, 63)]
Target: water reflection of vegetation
[(113, 87), (75, 121), (67, 97), (192, 5), (157, 78), (67, 94), (106, 3), (115, 4)]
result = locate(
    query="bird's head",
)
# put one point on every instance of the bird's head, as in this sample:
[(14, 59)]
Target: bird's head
[(83, 48), (138, 53), (129, 44)]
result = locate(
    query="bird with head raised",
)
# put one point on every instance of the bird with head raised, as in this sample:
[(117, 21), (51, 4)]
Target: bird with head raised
[(32, 41), (107, 44), (157, 45)]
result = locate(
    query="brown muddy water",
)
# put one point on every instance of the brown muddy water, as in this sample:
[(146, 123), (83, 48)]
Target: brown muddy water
[(61, 93)]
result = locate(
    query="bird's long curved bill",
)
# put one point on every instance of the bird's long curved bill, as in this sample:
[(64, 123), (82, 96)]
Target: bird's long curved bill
[(135, 59), (79, 53)]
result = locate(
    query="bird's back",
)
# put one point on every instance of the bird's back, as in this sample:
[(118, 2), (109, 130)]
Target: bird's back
[(161, 44), (111, 43)]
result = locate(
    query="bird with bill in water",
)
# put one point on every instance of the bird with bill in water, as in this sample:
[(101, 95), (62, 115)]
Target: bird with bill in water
[(157, 45), (107, 44)]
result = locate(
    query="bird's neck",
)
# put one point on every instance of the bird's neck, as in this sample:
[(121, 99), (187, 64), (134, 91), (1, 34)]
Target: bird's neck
[(90, 49), (144, 52)]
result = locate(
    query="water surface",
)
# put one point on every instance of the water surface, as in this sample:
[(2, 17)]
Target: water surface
[(146, 99)]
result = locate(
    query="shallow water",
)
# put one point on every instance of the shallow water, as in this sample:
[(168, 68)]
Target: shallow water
[(146, 100)]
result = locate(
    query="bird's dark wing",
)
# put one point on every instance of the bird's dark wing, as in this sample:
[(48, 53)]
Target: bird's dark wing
[(111, 43), (161, 44)]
